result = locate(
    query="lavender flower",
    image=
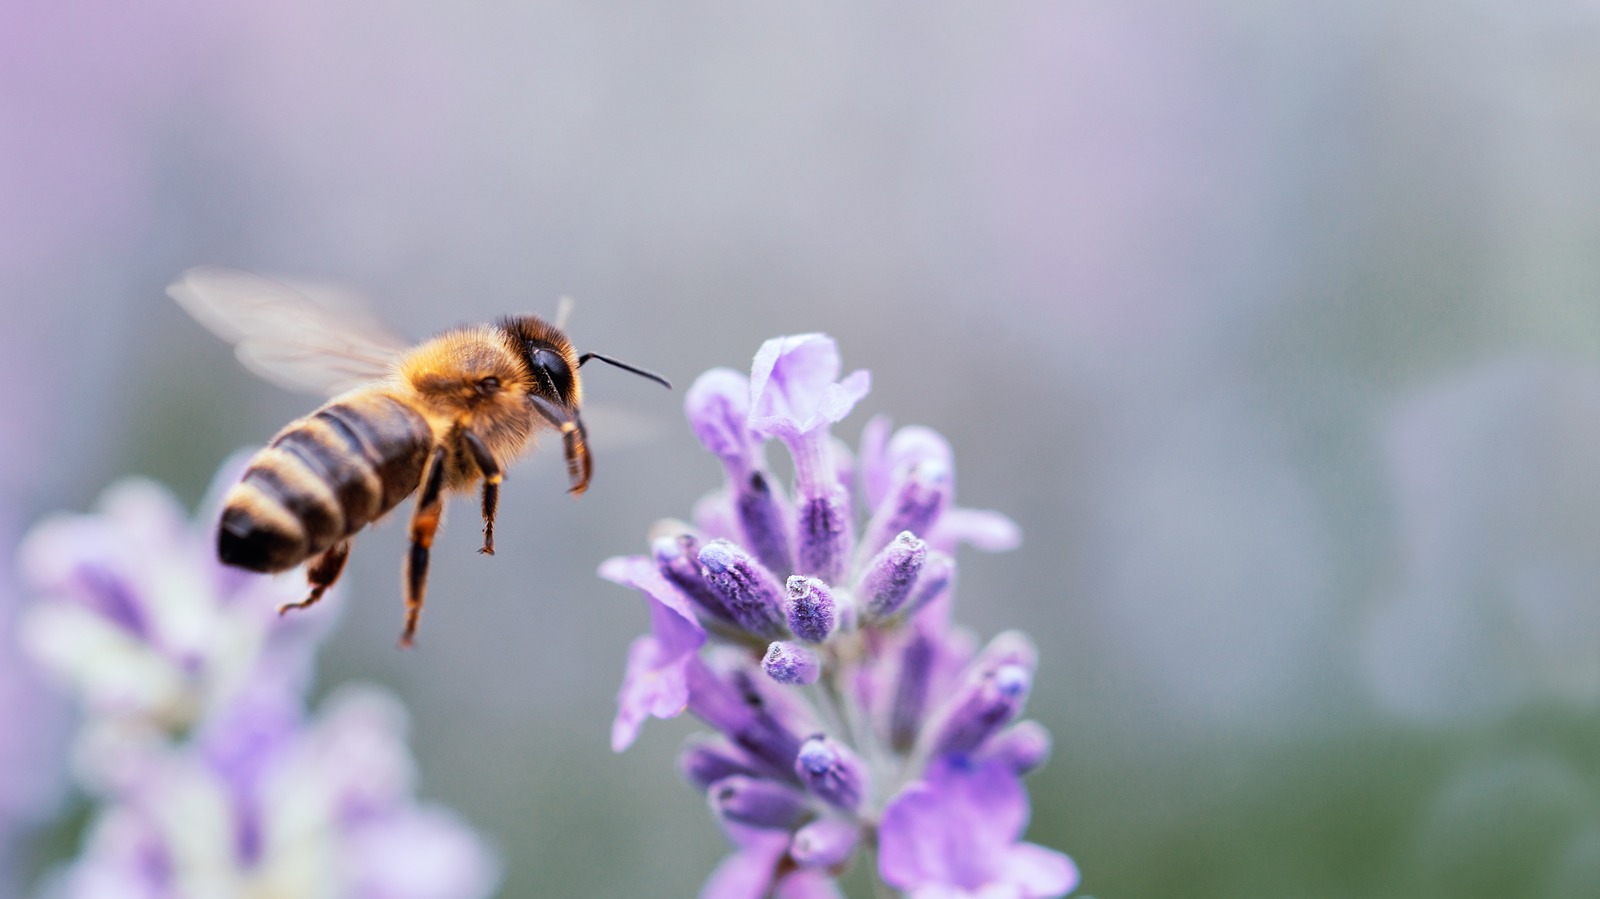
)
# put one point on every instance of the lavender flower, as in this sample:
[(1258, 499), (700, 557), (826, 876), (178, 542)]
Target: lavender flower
[(210, 779), (266, 803), (133, 610), (851, 712)]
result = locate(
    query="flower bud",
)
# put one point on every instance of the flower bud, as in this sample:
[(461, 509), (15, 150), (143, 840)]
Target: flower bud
[(890, 577), (914, 504), (1022, 747), (676, 557), (791, 663), (831, 771), (824, 843), (705, 760), (756, 802), (810, 609), (747, 590), (761, 520), (824, 534), (982, 708)]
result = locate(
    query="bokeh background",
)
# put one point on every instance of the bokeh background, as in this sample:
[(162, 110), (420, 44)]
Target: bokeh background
[(1275, 326)]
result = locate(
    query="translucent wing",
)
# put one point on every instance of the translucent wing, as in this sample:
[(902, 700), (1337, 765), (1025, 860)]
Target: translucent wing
[(307, 337)]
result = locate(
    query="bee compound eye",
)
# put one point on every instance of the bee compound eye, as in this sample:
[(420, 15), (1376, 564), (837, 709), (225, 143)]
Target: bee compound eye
[(552, 372)]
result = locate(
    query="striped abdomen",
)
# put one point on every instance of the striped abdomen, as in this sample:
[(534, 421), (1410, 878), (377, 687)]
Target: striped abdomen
[(323, 478)]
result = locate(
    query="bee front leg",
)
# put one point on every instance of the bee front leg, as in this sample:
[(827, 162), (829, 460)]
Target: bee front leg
[(424, 522), (321, 573), (574, 441), (491, 487)]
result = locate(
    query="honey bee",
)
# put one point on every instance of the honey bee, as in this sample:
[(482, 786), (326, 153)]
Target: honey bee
[(439, 417)]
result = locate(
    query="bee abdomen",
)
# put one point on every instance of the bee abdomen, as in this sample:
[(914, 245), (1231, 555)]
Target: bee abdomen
[(321, 479)]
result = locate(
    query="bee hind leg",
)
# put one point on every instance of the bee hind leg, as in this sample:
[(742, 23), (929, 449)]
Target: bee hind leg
[(424, 522), (491, 487), (321, 573)]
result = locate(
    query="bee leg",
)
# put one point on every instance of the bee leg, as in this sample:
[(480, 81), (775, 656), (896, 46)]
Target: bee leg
[(321, 573), (491, 487), (424, 522), (574, 441)]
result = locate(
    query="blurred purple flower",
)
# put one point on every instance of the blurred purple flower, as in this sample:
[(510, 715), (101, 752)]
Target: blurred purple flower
[(829, 665), (134, 611), (264, 802), (210, 779)]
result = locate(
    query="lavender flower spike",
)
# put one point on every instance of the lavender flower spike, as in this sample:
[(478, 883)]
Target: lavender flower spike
[(901, 698)]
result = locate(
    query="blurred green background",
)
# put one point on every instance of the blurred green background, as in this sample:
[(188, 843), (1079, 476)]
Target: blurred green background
[(1273, 325)]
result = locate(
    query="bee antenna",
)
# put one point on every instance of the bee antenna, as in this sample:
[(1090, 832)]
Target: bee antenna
[(625, 367)]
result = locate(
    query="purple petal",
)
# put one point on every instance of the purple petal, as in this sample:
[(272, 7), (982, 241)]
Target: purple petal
[(672, 618), (873, 463), (984, 529), (718, 407), (792, 386), (1022, 747), (914, 444), (806, 885), (359, 742), (1040, 872), (824, 842), (956, 828), (653, 685), (747, 874)]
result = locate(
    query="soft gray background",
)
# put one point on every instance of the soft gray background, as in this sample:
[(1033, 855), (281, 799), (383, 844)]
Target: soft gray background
[(1273, 325)]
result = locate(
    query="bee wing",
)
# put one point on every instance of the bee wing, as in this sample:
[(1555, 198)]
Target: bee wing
[(312, 338)]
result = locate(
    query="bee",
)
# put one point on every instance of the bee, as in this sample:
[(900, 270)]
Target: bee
[(439, 417)]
